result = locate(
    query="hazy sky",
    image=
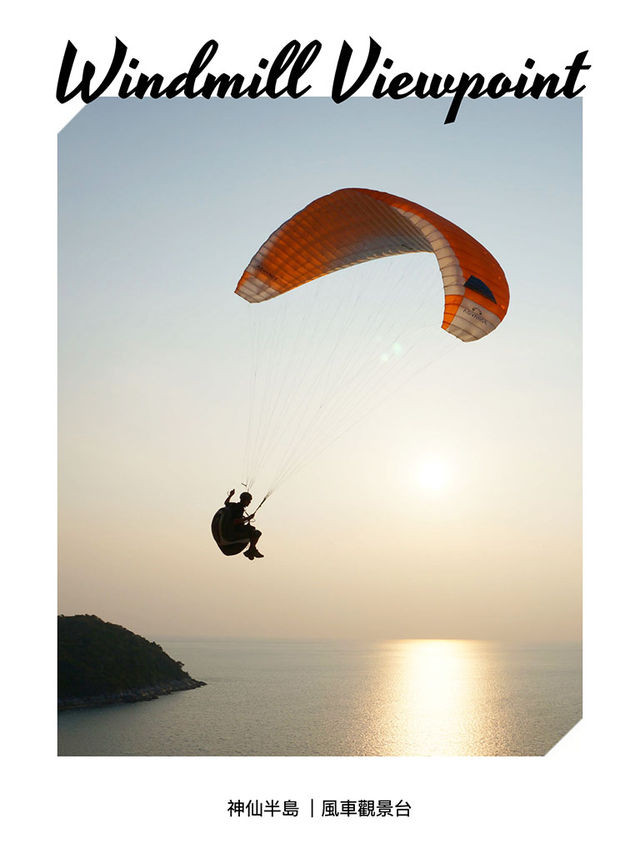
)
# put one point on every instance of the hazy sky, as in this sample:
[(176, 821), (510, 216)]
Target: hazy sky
[(452, 508)]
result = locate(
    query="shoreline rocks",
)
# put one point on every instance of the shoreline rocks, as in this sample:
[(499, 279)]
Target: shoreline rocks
[(125, 697)]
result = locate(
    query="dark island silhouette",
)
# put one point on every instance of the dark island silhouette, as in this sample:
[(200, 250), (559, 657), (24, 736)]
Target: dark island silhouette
[(100, 663)]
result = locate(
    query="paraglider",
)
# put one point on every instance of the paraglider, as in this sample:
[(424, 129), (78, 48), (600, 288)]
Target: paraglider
[(232, 529), (340, 230)]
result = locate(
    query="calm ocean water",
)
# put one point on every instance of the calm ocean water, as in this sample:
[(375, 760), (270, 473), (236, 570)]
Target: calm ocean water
[(402, 697)]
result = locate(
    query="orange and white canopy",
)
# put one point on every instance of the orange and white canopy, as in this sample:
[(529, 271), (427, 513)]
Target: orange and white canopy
[(350, 226)]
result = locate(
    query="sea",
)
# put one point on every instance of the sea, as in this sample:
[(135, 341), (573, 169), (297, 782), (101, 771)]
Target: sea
[(339, 698)]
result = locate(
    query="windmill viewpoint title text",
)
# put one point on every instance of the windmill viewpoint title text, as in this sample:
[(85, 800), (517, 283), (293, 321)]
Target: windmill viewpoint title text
[(367, 72)]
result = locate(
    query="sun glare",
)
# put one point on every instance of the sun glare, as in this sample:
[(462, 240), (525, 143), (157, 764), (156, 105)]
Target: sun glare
[(433, 475)]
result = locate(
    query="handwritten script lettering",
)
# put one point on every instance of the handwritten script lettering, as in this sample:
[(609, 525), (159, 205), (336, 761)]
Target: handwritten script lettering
[(289, 71)]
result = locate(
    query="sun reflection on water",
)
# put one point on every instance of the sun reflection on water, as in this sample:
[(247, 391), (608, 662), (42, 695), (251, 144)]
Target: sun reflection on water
[(437, 699)]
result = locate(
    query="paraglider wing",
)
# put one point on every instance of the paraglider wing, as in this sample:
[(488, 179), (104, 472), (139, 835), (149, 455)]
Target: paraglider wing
[(350, 226)]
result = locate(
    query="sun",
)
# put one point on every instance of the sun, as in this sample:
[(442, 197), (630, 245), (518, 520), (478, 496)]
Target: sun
[(433, 475)]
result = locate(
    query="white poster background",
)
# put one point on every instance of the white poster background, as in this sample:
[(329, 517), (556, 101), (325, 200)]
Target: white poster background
[(581, 793)]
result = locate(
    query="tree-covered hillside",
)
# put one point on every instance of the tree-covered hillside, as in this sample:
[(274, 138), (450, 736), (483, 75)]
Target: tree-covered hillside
[(100, 659)]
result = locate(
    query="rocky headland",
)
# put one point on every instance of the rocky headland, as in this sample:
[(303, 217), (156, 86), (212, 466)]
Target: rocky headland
[(100, 663)]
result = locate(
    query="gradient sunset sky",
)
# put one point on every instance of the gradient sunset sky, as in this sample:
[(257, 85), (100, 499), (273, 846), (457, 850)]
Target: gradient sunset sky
[(451, 509)]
